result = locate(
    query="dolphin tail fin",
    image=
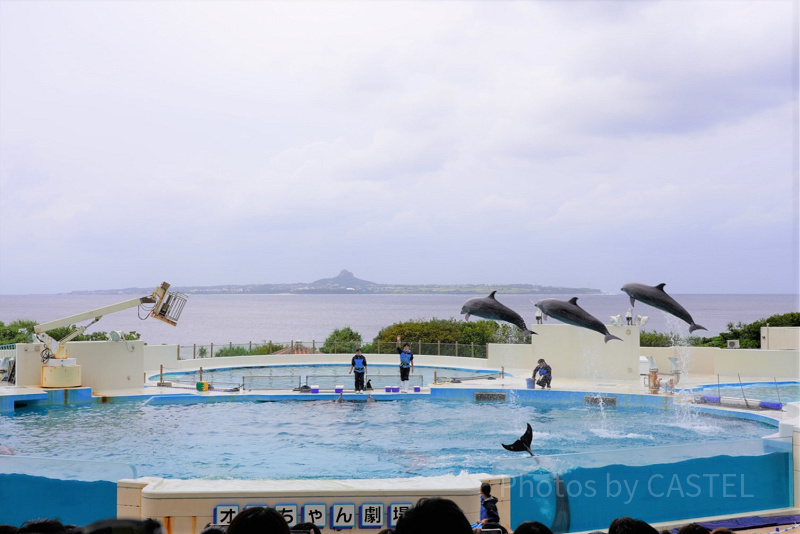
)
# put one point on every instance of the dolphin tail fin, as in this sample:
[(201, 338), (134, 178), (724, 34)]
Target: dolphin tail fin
[(694, 327), (609, 337), (523, 443)]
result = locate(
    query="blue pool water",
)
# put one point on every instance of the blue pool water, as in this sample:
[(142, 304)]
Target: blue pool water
[(318, 439)]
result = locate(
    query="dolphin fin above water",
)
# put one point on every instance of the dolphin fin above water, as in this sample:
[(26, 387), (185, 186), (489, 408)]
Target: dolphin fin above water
[(523, 443)]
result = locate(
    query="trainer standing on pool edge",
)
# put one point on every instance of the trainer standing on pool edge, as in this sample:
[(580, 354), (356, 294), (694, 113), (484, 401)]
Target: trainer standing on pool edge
[(358, 365), (406, 364)]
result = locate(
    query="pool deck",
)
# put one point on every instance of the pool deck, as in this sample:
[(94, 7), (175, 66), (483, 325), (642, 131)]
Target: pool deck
[(788, 419)]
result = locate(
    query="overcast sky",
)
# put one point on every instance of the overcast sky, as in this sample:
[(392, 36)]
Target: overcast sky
[(558, 143)]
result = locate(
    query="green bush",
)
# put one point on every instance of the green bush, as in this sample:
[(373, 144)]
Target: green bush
[(341, 340), (749, 335), (11, 334), (231, 351), (269, 348)]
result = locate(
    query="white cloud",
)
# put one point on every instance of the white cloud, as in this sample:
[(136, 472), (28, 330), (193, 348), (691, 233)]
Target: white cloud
[(554, 132)]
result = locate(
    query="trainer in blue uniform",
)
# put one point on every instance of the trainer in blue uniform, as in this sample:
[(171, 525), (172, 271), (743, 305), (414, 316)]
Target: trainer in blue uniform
[(358, 366), (406, 364), (545, 374)]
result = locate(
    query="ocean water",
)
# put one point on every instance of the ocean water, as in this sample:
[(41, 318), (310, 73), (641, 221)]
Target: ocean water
[(237, 319)]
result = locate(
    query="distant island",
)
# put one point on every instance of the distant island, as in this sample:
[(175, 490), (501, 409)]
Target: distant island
[(347, 283)]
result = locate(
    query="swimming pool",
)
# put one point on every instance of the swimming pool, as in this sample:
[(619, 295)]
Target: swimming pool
[(783, 392), (325, 375), (417, 436)]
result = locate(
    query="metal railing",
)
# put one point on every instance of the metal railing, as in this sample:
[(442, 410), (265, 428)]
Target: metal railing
[(220, 350)]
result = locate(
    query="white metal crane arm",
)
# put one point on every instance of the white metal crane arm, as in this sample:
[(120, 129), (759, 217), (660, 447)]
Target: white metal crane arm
[(94, 314)]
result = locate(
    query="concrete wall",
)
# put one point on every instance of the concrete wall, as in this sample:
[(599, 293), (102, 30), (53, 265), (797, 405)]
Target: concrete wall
[(157, 355), (105, 365), (109, 365), (186, 506), (780, 338), (696, 360), (581, 353), (768, 364), (29, 364)]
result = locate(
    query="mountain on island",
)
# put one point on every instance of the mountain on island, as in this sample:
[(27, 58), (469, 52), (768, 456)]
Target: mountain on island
[(347, 283)]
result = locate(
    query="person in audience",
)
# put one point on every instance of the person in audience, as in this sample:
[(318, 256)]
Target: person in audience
[(42, 526), (693, 528), (259, 520), (124, 526), (213, 529), (433, 516), (532, 527), (311, 528), (628, 525)]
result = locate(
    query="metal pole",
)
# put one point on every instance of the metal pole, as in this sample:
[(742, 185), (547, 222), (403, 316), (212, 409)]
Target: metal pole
[(212, 351), (742, 388), (201, 374), (777, 391), (161, 373), (194, 350)]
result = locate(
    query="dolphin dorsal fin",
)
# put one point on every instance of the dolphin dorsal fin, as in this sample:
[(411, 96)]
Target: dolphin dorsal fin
[(491, 295), (574, 300), (661, 286)]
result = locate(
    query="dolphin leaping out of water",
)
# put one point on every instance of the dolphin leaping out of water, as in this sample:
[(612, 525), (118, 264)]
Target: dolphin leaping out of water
[(569, 312), (490, 308), (658, 298), (523, 443)]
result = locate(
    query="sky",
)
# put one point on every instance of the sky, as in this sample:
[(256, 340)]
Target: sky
[(579, 144)]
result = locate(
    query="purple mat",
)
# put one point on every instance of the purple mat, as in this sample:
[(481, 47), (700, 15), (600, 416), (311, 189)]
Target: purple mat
[(742, 523)]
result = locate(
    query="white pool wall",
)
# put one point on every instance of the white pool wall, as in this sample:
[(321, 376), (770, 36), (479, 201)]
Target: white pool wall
[(574, 353)]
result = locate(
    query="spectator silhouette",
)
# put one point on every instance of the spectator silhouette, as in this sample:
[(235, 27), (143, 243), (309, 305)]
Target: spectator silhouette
[(306, 527), (259, 520), (433, 516), (124, 526), (42, 526), (693, 528), (628, 525), (532, 527)]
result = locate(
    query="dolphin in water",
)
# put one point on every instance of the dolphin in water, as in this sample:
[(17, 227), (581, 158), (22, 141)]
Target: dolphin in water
[(658, 298), (569, 312), (523, 443), (6, 451), (490, 308), (562, 518)]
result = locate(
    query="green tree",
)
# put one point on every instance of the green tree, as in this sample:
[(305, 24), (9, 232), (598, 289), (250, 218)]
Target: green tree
[(341, 340), (11, 333), (449, 331), (749, 335)]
